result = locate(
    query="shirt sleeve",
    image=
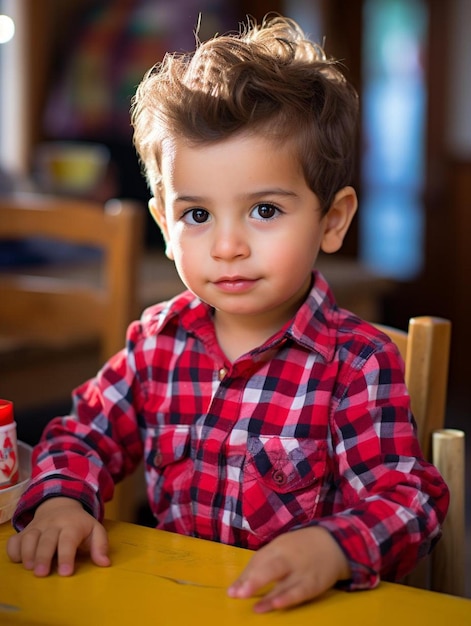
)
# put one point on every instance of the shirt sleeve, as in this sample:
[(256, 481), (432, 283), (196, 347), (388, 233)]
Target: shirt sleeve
[(84, 454), (395, 500)]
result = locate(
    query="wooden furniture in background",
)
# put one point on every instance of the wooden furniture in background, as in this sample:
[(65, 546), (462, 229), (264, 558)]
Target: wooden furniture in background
[(45, 321), (425, 348)]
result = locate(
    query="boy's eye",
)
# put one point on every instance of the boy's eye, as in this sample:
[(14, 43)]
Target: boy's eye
[(196, 216), (265, 211)]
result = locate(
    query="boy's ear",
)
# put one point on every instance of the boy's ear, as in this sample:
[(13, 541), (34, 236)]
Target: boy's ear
[(157, 210), (338, 219)]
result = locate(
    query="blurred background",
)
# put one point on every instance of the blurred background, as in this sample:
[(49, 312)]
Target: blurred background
[(69, 69)]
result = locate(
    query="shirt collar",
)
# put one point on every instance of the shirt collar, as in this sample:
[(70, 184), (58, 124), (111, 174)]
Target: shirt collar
[(313, 326)]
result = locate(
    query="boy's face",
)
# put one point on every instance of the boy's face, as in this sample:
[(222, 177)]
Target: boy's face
[(242, 225)]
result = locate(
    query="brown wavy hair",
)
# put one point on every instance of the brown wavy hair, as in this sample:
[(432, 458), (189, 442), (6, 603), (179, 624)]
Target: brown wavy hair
[(269, 79)]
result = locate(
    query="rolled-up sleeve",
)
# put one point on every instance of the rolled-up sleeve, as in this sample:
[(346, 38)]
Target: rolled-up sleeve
[(82, 455)]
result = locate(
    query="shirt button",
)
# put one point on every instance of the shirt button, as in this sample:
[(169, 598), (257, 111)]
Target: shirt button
[(222, 373), (279, 477)]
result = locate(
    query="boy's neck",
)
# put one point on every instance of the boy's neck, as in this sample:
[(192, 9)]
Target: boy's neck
[(238, 335)]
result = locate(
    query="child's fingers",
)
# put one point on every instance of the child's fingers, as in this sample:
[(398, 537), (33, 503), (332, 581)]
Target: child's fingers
[(298, 566), (31, 548), (288, 589), (46, 547), (61, 527), (27, 543), (14, 548), (95, 541), (66, 550), (264, 569), (287, 593), (99, 546), (22, 547)]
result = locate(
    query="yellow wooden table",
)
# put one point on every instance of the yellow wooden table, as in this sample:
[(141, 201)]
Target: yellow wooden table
[(165, 579)]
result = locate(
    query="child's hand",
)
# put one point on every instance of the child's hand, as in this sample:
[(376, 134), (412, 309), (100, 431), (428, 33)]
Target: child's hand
[(302, 564), (60, 526)]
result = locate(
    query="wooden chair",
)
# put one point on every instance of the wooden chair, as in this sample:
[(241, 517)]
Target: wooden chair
[(46, 311), (425, 348)]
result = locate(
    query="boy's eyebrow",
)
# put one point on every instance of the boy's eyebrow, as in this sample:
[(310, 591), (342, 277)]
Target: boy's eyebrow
[(276, 191), (192, 199), (255, 195)]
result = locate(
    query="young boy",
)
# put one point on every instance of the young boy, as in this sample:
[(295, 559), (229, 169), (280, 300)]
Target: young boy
[(267, 417)]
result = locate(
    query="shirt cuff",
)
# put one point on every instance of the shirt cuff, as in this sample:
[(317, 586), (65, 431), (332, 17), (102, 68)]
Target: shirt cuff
[(55, 487), (360, 549)]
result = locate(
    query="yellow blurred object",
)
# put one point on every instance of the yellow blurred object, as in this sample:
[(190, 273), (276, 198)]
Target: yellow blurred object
[(71, 167)]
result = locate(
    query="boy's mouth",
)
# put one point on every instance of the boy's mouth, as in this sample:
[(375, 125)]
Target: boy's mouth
[(235, 284)]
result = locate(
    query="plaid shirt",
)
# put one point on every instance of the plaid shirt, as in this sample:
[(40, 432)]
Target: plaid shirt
[(311, 428)]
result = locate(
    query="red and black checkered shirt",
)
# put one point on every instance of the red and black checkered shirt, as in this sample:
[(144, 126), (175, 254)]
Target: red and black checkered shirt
[(311, 428)]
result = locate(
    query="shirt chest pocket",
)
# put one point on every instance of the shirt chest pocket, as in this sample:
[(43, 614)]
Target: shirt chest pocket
[(282, 482), (168, 464), (166, 444)]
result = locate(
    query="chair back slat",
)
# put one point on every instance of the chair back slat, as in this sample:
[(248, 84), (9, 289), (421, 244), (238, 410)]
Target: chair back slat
[(425, 348)]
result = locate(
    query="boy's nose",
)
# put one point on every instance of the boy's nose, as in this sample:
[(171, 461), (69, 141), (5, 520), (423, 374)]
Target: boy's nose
[(229, 243)]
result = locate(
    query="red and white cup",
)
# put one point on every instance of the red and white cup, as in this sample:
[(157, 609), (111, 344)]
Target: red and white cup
[(9, 470)]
